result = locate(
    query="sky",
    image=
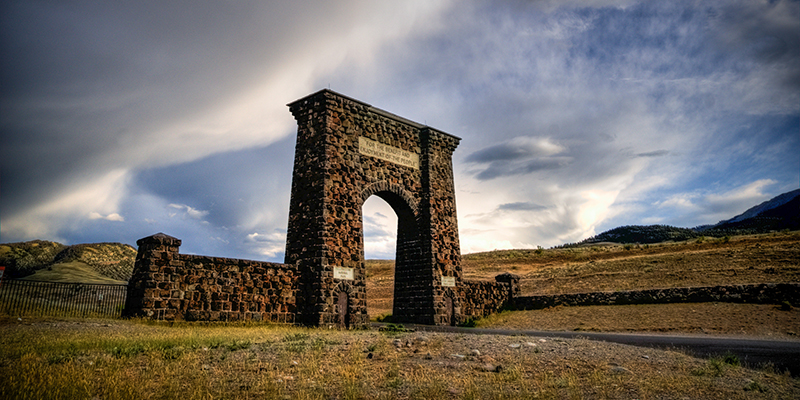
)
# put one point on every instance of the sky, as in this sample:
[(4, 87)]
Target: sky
[(124, 119)]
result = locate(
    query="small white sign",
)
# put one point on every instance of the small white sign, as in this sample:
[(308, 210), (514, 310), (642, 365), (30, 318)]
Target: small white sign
[(344, 273), (449, 281)]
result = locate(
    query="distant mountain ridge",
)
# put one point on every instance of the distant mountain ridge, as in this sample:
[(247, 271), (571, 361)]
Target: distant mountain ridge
[(779, 213), (112, 260), (773, 203)]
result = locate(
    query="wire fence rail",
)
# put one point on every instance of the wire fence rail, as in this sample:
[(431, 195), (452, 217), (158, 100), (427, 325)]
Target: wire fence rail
[(57, 299)]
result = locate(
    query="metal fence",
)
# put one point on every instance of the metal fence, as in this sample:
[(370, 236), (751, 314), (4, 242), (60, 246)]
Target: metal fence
[(33, 298)]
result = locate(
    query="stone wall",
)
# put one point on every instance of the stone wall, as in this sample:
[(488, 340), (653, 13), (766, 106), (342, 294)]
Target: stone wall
[(171, 286), (483, 298), (766, 293), (168, 285)]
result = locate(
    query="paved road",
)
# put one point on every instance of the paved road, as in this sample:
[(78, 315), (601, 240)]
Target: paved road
[(784, 355)]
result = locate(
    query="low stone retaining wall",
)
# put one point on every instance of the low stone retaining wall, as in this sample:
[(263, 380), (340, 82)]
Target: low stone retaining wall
[(171, 286), (482, 298), (766, 293)]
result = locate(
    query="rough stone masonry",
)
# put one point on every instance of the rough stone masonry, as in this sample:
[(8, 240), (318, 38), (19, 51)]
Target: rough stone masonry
[(346, 151)]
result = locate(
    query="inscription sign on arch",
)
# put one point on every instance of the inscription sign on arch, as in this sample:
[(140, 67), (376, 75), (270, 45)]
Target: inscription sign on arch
[(384, 152)]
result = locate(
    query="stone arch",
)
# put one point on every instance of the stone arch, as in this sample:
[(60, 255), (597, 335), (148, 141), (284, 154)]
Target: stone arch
[(347, 151), (379, 188)]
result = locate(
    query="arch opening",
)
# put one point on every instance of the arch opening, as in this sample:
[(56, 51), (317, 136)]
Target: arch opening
[(380, 247), (392, 285)]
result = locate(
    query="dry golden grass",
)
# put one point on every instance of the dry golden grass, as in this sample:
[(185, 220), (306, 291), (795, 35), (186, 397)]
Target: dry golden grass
[(769, 258), (110, 359)]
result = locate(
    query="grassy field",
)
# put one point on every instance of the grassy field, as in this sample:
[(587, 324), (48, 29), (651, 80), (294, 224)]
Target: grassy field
[(73, 271), (112, 359), (63, 358), (767, 258)]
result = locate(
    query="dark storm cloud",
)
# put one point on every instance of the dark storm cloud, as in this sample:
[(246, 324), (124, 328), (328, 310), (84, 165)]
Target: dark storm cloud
[(765, 32), (94, 91), (82, 79)]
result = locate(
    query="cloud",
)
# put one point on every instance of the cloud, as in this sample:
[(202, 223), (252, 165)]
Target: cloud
[(518, 156), (380, 229), (517, 148), (576, 117), (189, 211), (109, 217), (101, 195), (657, 153), (520, 206), (270, 245), (134, 86)]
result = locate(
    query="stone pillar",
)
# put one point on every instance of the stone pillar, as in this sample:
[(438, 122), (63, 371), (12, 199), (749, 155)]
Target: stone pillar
[(439, 223), (155, 253), (512, 281)]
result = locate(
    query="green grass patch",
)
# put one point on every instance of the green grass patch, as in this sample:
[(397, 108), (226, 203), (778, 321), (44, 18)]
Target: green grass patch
[(71, 272)]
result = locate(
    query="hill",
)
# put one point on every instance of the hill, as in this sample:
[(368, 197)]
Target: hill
[(769, 206), (774, 215), (25, 258), (643, 234), (780, 213), (52, 261)]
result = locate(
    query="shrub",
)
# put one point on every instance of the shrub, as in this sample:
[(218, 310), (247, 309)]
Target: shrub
[(238, 345), (754, 386), (731, 359), (127, 351), (384, 318), (395, 328)]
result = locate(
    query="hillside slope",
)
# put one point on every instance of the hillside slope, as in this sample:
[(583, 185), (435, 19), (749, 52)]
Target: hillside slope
[(781, 217), (25, 258), (768, 207), (89, 262)]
